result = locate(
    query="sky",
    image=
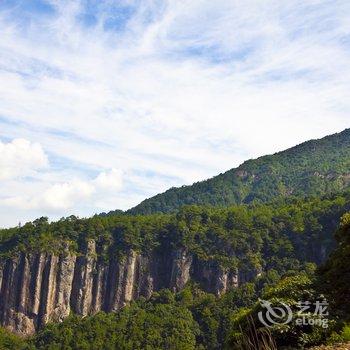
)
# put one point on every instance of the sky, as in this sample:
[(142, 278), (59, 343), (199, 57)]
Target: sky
[(106, 103)]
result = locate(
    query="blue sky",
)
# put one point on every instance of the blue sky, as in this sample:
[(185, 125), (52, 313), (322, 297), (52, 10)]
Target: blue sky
[(105, 103)]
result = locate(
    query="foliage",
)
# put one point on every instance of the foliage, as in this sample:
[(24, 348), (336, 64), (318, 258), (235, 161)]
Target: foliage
[(289, 290), (314, 168), (139, 326), (345, 333), (276, 237), (191, 318), (282, 241), (9, 341), (335, 274)]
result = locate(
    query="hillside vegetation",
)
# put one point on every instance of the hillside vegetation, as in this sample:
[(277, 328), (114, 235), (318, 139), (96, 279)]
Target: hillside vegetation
[(275, 215), (313, 168), (192, 319), (282, 235)]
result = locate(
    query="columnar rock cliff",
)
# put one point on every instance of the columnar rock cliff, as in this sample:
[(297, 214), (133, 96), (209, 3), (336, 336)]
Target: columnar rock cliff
[(38, 288)]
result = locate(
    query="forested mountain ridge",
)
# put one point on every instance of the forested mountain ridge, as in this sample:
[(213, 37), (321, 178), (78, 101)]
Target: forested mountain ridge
[(84, 266), (313, 168), (189, 279)]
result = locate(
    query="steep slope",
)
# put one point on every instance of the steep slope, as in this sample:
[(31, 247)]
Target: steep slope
[(315, 167), (48, 269)]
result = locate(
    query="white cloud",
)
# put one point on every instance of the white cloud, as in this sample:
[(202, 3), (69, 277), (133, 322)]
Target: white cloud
[(65, 195), (179, 92), (21, 158), (61, 196), (111, 180)]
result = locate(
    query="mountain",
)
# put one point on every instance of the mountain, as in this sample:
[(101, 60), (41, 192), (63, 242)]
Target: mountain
[(190, 278), (84, 266), (312, 168)]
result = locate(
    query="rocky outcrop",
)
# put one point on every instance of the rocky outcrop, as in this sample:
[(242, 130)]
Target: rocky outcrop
[(40, 288), (180, 271)]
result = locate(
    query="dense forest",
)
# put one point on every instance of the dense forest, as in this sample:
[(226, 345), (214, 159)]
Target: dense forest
[(313, 168), (193, 319), (281, 235), (284, 239)]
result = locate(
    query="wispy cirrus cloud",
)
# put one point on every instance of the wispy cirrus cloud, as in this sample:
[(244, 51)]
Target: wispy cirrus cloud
[(167, 92)]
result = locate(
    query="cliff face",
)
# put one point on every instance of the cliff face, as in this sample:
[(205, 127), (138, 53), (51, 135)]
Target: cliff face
[(39, 288)]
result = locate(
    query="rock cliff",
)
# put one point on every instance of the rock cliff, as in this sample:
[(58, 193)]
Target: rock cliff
[(37, 288)]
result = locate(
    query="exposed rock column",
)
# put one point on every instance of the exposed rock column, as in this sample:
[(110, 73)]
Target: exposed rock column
[(81, 297), (180, 272), (99, 287), (12, 297), (143, 277), (1, 272), (65, 274), (129, 278), (48, 289), (121, 281)]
